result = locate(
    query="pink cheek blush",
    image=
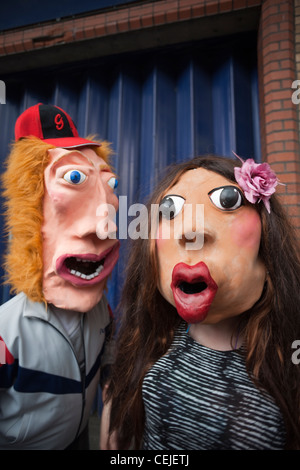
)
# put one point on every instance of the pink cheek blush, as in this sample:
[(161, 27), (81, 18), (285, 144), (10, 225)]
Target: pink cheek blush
[(246, 230), (160, 240)]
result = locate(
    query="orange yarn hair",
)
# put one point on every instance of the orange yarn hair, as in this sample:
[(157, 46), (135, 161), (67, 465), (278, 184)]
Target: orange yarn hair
[(23, 184)]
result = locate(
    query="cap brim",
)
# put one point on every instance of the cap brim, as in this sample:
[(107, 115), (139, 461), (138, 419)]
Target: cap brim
[(71, 142)]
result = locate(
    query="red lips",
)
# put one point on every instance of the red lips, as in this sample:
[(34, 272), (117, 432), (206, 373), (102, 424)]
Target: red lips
[(193, 290)]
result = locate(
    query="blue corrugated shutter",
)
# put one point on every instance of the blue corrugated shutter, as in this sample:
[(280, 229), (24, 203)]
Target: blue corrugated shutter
[(155, 109)]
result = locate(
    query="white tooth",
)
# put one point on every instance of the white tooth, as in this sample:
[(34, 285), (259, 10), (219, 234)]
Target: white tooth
[(99, 269), (73, 271), (83, 276), (79, 259), (77, 273)]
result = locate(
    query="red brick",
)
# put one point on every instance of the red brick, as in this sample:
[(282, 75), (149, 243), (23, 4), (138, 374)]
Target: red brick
[(198, 11), (123, 25), (269, 10), (277, 95), (294, 211), (287, 44), (272, 28), (288, 104), (277, 75), (280, 55), (282, 136), (289, 178), (284, 26), (274, 149), (147, 21), (278, 167), (111, 27), (79, 34), (275, 116), (212, 9), (225, 6), (291, 124), (270, 49), (135, 23), (275, 17), (100, 30), (273, 65), (290, 199), (172, 16), (274, 126), (19, 47), (273, 106), (159, 19), (253, 3), (237, 4), (185, 3), (272, 85), (286, 82), (292, 145), (147, 9), (185, 13), (278, 37), (89, 32), (293, 166)]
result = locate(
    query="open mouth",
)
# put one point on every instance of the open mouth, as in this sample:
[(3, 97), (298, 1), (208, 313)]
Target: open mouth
[(87, 269), (84, 268), (193, 290)]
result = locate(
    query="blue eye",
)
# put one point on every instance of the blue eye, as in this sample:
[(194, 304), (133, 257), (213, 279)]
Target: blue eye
[(75, 177), (113, 182)]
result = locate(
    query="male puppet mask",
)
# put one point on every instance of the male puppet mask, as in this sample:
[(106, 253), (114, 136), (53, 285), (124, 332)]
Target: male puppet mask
[(64, 258)]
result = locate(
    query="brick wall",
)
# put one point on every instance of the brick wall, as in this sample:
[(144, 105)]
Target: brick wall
[(279, 116), (148, 14)]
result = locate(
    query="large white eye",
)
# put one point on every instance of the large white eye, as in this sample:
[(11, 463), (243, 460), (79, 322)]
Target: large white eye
[(75, 177), (227, 198), (171, 205), (113, 182)]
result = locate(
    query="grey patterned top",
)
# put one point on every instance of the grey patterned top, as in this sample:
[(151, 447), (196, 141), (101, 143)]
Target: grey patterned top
[(197, 398)]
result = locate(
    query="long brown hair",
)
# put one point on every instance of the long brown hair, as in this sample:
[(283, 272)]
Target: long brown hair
[(148, 321)]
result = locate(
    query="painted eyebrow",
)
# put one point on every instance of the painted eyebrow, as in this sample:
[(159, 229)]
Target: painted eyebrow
[(69, 155), (105, 167)]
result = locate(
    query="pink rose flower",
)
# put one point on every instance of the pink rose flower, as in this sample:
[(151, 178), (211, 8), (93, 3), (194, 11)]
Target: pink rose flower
[(257, 180)]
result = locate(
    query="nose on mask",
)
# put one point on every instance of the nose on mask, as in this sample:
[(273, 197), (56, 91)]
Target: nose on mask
[(106, 221)]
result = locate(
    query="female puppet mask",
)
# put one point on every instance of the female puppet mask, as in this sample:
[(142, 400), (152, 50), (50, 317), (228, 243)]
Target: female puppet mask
[(225, 276)]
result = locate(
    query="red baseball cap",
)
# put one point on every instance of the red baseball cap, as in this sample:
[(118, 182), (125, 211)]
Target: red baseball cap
[(50, 124)]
